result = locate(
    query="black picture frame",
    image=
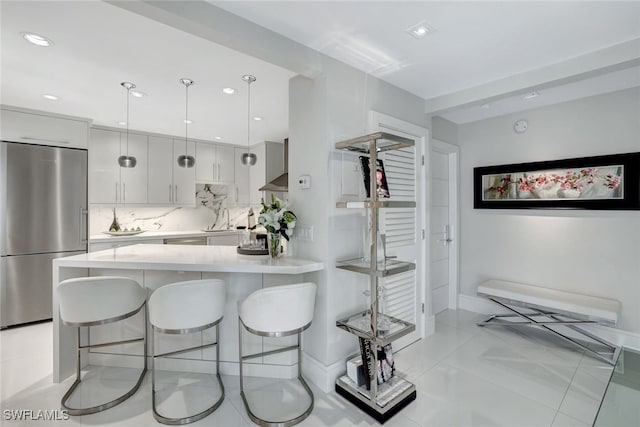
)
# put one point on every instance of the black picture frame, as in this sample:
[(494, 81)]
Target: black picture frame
[(610, 182), (382, 188)]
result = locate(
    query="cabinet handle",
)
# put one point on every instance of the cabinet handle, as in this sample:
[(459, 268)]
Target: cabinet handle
[(83, 225), (116, 192), (170, 194), (124, 193), (213, 169), (218, 171), (175, 198)]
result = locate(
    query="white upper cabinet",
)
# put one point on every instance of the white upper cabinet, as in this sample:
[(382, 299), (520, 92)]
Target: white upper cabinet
[(133, 181), (110, 183), (205, 162), (225, 164), (241, 178), (214, 163), (104, 172), (36, 128), (184, 179), (160, 188)]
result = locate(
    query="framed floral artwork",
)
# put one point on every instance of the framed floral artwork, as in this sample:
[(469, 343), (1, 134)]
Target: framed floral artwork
[(600, 182)]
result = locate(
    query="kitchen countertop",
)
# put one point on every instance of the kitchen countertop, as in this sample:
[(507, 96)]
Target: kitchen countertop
[(147, 235), (188, 258)]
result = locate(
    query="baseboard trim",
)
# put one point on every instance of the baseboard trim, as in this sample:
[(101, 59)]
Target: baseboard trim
[(614, 335), (324, 377)]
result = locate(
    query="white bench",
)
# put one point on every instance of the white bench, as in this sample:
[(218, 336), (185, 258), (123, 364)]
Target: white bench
[(558, 308)]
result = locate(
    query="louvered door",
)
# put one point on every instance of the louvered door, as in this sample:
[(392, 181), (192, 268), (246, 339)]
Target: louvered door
[(400, 226)]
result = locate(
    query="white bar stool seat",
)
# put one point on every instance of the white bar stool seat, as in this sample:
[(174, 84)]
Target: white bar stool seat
[(277, 311), (184, 308), (92, 301)]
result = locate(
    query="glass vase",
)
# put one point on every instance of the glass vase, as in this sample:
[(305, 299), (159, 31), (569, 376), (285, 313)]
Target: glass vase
[(273, 241)]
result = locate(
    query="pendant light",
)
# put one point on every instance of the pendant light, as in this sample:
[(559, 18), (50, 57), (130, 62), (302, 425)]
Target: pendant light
[(248, 158), (127, 161), (185, 160)]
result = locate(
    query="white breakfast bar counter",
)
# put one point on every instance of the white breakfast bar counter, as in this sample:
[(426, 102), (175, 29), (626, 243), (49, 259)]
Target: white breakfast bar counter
[(155, 265)]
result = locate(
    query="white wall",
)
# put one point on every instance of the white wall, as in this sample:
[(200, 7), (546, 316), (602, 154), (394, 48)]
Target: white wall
[(590, 252), (324, 110)]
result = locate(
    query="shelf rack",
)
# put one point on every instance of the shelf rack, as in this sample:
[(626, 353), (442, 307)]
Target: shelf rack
[(381, 401)]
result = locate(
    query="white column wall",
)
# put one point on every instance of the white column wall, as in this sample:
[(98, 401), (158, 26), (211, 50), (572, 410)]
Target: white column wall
[(324, 110)]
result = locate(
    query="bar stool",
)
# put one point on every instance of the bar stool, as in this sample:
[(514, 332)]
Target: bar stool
[(183, 308), (92, 301), (277, 311)]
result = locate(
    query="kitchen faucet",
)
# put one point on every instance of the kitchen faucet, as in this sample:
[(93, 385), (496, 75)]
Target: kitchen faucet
[(227, 211)]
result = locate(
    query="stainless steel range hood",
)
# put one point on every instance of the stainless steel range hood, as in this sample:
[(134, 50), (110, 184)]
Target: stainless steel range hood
[(281, 183)]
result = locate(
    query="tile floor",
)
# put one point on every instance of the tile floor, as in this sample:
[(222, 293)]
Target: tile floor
[(464, 375)]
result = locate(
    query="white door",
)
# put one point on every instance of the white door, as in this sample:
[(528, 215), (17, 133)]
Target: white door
[(404, 294), (443, 265)]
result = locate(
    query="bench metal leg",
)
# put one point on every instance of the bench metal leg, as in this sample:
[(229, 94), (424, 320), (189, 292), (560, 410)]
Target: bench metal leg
[(555, 320)]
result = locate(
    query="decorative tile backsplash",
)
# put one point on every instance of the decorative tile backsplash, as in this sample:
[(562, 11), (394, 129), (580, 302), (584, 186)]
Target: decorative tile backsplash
[(211, 200)]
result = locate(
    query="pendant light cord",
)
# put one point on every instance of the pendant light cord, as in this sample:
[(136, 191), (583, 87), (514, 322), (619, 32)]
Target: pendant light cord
[(186, 118), (249, 118), (128, 91)]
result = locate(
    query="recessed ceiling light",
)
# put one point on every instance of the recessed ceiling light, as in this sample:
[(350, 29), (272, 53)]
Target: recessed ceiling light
[(531, 95), (229, 90), (50, 97), (122, 123), (218, 137), (37, 39), (257, 118), (137, 93), (420, 30), (187, 121)]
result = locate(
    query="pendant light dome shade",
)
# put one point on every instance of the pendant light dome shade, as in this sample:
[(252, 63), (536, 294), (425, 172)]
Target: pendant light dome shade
[(127, 161), (248, 158), (186, 160)]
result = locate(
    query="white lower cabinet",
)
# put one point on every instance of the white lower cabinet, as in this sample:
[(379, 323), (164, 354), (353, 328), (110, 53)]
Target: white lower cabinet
[(223, 238), (108, 182), (93, 247)]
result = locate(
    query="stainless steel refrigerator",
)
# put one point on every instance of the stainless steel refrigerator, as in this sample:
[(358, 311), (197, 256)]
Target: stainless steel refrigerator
[(43, 216)]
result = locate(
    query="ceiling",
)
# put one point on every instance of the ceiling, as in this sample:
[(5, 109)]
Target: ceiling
[(472, 44), (478, 61), (98, 46)]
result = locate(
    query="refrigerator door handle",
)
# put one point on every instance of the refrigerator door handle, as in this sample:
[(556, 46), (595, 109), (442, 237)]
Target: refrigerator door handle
[(84, 219)]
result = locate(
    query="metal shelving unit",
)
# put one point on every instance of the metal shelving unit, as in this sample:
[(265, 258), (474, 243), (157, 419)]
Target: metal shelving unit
[(381, 401)]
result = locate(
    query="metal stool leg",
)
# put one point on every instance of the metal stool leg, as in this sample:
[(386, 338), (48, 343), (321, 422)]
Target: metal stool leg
[(260, 421), (191, 418), (78, 380)]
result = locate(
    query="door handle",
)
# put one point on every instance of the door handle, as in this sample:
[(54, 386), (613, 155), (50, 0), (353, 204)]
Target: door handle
[(84, 214)]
